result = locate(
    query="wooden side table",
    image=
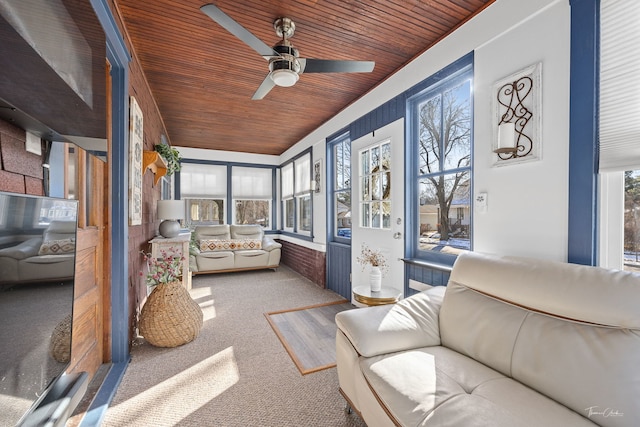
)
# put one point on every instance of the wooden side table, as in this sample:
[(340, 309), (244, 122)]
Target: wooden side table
[(386, 295), (179, 245)]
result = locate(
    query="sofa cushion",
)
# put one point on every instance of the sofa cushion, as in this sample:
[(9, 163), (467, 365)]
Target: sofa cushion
[(438, 386), (55, 247), (246, 231), (220, 231), (50, 259), (212, 245), (216, 254)]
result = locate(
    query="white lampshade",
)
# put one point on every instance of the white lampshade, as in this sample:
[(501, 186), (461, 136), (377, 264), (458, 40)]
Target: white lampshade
[(284, 78), (170, 209)]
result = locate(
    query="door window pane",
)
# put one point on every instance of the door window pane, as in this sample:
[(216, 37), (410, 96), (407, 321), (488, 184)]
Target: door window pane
[(375, 185)]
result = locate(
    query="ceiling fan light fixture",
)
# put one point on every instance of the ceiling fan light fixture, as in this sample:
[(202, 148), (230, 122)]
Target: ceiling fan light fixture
[(284, 78)]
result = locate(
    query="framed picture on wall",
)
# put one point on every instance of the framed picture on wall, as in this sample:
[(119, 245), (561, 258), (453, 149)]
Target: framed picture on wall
[(135, 162), (317, 176)]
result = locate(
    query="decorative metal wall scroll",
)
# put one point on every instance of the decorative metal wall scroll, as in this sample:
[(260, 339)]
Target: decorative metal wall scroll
[(517, 116)]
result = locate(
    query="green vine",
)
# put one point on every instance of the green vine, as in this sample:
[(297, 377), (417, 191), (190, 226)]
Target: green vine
[(171, 155)]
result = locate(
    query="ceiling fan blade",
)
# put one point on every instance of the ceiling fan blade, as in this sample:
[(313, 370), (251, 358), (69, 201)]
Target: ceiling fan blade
[(335, 66), (266, 86), (226, 22)]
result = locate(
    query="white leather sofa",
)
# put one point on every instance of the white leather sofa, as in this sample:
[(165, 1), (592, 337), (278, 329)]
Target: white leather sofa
[(224, 248), (41, 259), (510, 342)]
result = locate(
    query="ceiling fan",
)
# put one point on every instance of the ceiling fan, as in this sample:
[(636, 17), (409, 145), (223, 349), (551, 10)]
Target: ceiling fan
[(285, 64)]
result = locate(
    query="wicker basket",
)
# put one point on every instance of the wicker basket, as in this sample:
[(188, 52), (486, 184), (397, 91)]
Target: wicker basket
[(170, 317), (60, 343)]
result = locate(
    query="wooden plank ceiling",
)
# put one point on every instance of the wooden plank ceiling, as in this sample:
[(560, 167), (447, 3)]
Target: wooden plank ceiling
[(203, 78)]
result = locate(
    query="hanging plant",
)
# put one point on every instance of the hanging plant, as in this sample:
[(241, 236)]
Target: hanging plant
[(172, 157)]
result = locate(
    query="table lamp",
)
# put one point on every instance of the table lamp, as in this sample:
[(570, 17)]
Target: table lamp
[(170, 211)]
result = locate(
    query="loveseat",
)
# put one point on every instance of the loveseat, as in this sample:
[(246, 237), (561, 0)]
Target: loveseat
[(510, 342), (41, 259), (224, 248)]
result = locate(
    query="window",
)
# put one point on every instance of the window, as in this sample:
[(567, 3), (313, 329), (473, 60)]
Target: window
[(341, 153), (204, 187), (375, 184), (296, 195), (287, 196), (632, 220), (252, 193), (440, 120), (619, 153)]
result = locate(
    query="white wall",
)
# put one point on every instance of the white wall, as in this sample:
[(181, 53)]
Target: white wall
[(527, 202)]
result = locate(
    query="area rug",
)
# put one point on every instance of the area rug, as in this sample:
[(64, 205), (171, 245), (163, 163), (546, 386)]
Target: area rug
[(309, 334)]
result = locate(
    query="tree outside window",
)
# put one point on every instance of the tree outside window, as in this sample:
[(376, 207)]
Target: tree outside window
[(443, 119)]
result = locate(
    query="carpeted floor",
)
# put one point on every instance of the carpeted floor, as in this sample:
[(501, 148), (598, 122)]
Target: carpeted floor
[(236, 373)]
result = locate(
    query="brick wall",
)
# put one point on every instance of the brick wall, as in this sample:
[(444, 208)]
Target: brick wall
[(20, 171), (307, 262)]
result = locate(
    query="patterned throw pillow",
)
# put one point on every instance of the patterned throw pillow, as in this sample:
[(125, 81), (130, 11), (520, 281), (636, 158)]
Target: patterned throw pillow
[(213, 245), (57, 247)]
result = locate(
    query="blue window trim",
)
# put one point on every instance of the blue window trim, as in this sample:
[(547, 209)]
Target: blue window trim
[(331, 142), (444, 78), (583, 132), (294, 233), (229, 195)]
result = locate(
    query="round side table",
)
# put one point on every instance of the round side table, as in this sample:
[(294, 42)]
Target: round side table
[(386, 295)]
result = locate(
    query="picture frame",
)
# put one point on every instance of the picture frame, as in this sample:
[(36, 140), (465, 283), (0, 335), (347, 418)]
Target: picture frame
[(317, 176), (136, 141)]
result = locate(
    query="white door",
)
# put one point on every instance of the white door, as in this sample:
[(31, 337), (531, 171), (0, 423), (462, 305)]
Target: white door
[(378, 202)]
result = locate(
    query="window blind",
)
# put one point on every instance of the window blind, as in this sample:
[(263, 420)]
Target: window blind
[(287, 180), (251, 183), (619, 85), (203, 181), (303, 174)]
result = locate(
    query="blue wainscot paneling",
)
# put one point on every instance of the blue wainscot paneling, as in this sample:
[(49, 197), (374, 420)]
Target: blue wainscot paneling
[(424, 272)]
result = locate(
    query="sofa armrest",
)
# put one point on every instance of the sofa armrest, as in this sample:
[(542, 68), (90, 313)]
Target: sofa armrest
[(268, 244), (26, 249), (410, 323)]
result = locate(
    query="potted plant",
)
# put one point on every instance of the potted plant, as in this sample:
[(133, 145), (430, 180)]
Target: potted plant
[(171, 155), (169, 317), (378, 263)]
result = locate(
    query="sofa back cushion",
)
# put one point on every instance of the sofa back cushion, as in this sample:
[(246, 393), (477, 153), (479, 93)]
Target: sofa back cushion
[(211, 232), (247, 231), (570, 332), (60, 230)]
